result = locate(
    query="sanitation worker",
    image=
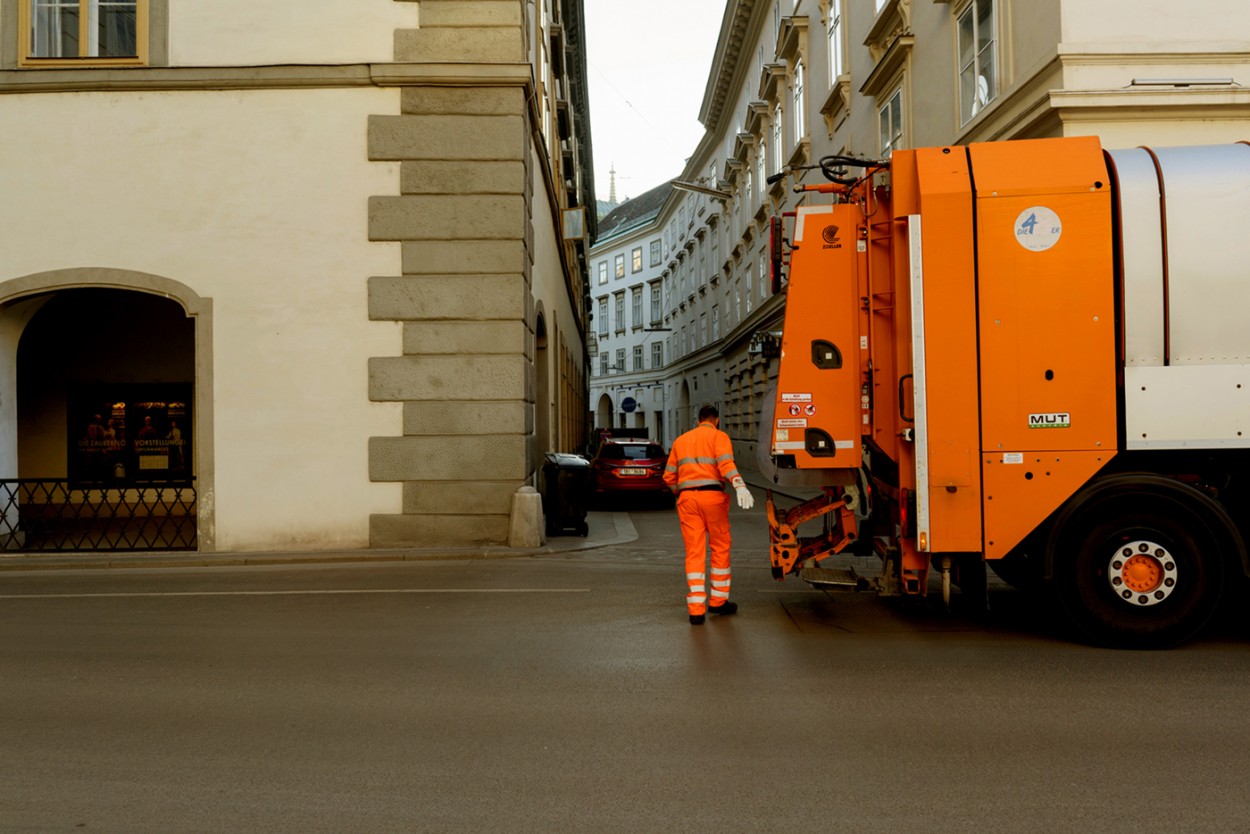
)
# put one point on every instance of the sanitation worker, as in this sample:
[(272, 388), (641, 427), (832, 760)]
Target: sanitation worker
[(699, 463)]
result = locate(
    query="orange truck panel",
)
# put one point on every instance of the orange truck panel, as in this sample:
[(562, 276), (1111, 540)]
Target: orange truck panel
[(1022, 490), (952, 431), (1047, 319), (818, 385)]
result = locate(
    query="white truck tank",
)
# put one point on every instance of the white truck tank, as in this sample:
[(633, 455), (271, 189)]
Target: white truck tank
[(1185, 249)]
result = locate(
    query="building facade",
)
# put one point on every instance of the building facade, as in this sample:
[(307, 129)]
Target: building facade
[(793, 81), (315, 267)]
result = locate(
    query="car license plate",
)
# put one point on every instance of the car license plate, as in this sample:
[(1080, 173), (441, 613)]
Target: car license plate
[(631, 471)]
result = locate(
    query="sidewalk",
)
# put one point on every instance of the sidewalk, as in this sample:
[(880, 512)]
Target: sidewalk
[(606, 529)]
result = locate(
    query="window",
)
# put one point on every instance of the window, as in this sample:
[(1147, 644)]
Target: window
[(657, 355), (777, 132), (978, 84), (656, 312), (637, 357), (761, 162), (835, 41), (620, 359), (620, 312), (764, 270), (749, 288), (684, 342), (703, 328), (800, 124), (636, 259), (603, 316), (620, 266), (603, 364), (603, 272), (655, 252), (715, 324), (746, 189), (636, 305), (891, 121), (103, 32)]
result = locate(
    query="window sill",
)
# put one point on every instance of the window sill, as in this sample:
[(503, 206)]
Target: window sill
[(799, 155)]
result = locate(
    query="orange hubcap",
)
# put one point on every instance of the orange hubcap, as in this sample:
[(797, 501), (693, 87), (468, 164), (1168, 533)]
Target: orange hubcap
[(1142, 574)]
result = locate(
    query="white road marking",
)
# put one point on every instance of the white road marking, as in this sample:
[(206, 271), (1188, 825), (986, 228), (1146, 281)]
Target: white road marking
[(129, 594)]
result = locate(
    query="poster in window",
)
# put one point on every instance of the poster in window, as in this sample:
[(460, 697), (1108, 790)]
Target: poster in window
[(125, 434)]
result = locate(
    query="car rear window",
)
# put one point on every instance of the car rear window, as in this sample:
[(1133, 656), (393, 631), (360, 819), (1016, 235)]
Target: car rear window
[(631, 451)]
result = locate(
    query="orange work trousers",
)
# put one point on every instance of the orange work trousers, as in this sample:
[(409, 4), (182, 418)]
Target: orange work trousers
[(704, 518)]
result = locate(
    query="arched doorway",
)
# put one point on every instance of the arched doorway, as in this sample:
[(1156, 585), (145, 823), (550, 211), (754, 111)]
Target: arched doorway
[(604, 412), (543, 406), (685, 419), (103, 451)]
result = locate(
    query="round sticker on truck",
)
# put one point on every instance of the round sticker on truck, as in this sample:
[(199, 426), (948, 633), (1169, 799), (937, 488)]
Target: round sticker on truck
[(1038, 228)]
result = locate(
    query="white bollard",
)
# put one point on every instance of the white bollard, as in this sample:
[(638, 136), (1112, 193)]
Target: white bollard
[(526, 528)]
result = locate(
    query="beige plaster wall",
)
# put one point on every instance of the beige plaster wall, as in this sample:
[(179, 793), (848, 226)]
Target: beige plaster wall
[(259, 32), (257, 201)]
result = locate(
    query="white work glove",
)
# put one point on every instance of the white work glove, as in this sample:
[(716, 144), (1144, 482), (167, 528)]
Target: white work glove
[(745, 501)]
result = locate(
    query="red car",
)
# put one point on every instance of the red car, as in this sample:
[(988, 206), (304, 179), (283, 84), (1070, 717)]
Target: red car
[(629, 467)]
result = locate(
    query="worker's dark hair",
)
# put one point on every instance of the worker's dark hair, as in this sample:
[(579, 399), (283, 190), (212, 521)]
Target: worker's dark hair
[(708, 412)]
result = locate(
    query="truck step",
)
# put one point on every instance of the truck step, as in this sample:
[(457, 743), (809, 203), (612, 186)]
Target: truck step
[(833, 578)]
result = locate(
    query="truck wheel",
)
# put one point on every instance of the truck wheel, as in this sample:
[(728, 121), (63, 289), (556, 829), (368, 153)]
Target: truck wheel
[(1138, 566)]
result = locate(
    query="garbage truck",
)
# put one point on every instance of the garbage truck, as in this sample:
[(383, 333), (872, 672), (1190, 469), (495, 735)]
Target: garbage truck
[(1030, 356)]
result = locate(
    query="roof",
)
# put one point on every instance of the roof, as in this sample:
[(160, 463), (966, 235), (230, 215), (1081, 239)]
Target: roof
[(634, 213)]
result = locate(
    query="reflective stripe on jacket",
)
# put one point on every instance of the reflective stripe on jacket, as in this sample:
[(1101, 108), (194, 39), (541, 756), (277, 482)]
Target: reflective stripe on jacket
[(703, 456)]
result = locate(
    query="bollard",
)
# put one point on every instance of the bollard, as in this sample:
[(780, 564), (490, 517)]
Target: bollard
[(526, 528)]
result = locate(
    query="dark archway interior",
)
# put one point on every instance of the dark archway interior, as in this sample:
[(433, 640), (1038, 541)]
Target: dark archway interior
[(85, 339)]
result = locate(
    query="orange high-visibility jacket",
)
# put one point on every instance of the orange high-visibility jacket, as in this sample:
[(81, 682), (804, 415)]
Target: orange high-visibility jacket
[(703, 456)]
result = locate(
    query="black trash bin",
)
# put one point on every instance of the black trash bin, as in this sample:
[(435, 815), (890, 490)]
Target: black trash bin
[(566, 480)]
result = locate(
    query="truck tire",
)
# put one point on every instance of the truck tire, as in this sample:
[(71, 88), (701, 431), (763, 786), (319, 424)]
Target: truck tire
[(1137, 564)]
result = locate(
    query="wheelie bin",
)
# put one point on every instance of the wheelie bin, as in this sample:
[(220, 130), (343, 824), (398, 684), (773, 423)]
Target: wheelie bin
[(566, 480)]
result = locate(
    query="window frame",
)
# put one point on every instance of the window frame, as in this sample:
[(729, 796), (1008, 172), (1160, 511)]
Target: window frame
[(656, 253), (143, 44), (618, 305), (971, 10), (897, 137), (834, 42), (635, 259), (800, 115), (619, 264)]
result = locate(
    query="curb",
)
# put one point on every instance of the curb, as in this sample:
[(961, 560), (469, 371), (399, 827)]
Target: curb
[(608, 528)]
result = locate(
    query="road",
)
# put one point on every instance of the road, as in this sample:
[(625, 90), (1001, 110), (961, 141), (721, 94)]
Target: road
[(567, 692)]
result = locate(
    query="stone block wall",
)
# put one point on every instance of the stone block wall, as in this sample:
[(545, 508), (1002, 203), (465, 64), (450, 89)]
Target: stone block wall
[(464, 297)]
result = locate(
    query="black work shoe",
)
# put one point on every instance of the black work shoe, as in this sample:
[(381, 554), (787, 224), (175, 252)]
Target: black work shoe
[(696, 619), (727, 608)]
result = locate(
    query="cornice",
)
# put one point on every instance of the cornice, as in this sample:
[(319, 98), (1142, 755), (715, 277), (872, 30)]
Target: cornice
[(726, 60), (141, 79)]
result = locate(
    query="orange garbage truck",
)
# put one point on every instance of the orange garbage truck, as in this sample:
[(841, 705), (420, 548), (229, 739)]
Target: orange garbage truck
[(1031, 356)]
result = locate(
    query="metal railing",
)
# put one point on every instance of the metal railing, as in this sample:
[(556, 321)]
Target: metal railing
[(51, 514)]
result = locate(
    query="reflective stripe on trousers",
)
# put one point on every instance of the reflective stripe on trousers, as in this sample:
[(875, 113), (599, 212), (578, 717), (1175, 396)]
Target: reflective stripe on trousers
[(704, 519)]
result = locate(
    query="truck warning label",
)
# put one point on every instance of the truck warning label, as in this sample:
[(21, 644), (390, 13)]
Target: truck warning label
[(792, 424), (796, 398)]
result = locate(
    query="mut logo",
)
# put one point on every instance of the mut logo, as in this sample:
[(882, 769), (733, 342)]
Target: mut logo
[(830, 236), (1053, 420)]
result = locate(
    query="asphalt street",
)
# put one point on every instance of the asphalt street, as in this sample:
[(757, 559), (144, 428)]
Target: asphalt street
[(564, 690)]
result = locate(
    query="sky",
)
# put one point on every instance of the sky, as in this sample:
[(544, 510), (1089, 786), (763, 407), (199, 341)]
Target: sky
[(648, 64)]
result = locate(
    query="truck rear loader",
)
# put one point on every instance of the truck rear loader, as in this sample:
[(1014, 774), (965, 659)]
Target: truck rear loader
[(1031, 356)]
